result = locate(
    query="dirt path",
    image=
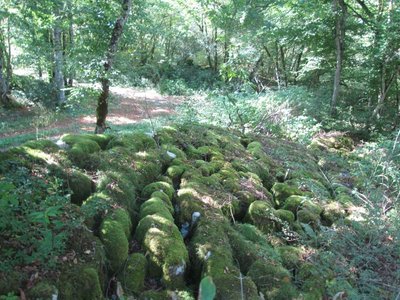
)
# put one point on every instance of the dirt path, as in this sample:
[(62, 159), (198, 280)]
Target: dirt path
[(129, 106)]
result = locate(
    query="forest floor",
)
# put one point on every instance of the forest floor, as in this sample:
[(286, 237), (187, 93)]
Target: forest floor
[(128, 106)]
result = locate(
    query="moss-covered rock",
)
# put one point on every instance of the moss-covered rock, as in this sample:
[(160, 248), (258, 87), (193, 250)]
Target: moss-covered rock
[(262, 215), (307, 216), (188, 202), (285, 215), (164, 197), (133, 275), (42, 290), (122, 217), (244, 250), (158, 186), (81, 186), (134, 141), (119, 188), (176, 171), (272, 279), (167, 251), (44, 145), (311, 280), (256, 149), (155, 206), (177, 153), (332, 212), (332, 141), (115, 243), (291, 256), (81, 284), (294, 203), (282, 191)]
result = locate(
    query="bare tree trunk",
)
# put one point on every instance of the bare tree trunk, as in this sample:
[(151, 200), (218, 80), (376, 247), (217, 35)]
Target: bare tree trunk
[(4, 73), (71, 75), (383, 91), (58, 59), (340, 10), (102, 103)]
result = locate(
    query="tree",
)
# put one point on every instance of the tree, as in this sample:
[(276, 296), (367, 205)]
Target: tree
[(340, 10), (102, 104)]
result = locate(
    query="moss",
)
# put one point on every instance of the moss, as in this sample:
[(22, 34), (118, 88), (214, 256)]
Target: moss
[(332, 141), (155, 206), (133, 275), (134, 141), (44, 145), (167, 135), (115, 243), (308, 217), (311, 279), (179, 154), (188, 203), (251, 233), (158, 186), (284, 292), (101, 139), (332, 212), (122, 217), (256, 149), (167, 251), (164, 197), (270, 276), (229, 287), (94, 208), (119, 188), (148, 166), (282, 191), (81, 145), (312, 206), (244, 250), (344, 199), (80, 185), (175, 172), (42, 290), (285, 215), (262, 215), (291, 256), (294, 203), (80, 284)]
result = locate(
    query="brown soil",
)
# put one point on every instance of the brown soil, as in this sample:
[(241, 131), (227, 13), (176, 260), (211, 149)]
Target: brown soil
[(129, 106)]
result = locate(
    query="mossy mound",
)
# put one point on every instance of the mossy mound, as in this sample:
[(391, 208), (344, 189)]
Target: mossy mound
[(212, 256), (116, 244), (122, 216), (167, 252), (44, 145), (81, 186), (134, 142), (158, 187), (119, 188), (156, 206), (82, 284), (291, 256), (333, 212), (282, 191), (332, 141), (133, 274)]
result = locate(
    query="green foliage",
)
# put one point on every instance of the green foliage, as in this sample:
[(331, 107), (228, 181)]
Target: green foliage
[(36, 218)]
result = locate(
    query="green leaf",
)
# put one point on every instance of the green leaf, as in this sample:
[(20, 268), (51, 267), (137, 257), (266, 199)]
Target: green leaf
[(207, 289)]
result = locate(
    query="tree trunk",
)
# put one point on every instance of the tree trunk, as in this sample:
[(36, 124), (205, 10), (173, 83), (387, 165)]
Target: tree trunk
[(58, 65), (340, 10), (102, 103), (71, 72), (4, 73)]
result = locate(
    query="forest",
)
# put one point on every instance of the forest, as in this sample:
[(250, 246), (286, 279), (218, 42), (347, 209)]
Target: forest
[(199, 149)]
